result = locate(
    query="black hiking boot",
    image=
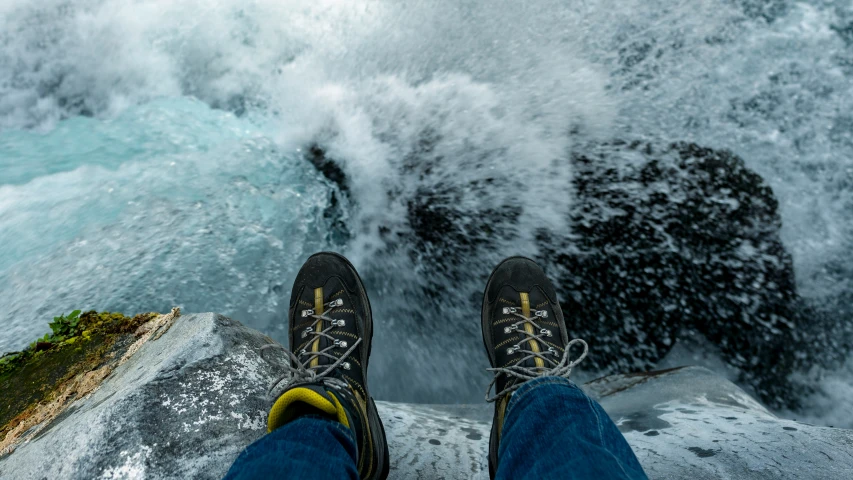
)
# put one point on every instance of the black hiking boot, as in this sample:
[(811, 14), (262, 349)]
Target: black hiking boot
[(524, 334), (330, 332)]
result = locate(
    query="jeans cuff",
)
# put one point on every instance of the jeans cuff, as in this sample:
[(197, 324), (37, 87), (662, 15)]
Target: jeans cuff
[(333, 423), (534, 384)]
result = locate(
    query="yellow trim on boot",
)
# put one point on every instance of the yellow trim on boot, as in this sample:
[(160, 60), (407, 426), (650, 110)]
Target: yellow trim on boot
[(342, 414), (525, 310), (279, 414), (318, 310)]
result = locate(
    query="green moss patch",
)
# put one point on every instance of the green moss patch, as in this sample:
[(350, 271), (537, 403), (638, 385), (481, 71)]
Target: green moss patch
[(78, 343)]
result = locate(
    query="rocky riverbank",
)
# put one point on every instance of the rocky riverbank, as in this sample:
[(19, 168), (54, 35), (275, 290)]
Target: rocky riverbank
[(172, 396)]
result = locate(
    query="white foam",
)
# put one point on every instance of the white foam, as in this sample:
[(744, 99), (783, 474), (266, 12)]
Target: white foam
[(89, 207)]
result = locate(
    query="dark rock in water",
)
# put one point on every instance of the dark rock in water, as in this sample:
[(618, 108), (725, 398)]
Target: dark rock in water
[(328, 168), (845, 32), (675, 237), (767, 10), (446, 229), (656, 239), (339, 197)]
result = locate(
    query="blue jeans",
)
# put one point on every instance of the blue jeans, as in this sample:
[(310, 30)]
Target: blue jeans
[(551, 430)]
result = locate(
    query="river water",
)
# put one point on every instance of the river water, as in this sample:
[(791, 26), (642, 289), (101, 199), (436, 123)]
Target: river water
[(152, 153)]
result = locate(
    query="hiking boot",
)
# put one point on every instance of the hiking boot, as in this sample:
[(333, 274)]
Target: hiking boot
[(524, 334), (330, 332)]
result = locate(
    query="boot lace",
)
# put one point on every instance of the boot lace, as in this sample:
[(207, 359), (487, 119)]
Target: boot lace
[(298, 370), (562, 368)]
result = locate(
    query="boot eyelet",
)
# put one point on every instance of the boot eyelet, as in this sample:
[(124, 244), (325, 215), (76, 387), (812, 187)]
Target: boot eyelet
[(542, 313), (336, 303), (302, 352), (509, 310), (545, 332), (339, 323), (508, 330), (346, 365), (552, 351), (305, 313), (513, 349), (341, 343)]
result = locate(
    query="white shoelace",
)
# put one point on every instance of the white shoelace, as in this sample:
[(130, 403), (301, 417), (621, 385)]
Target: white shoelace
[(563, 368), (298, 370)]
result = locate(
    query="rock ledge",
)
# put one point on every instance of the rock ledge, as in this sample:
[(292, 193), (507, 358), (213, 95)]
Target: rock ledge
[(186, 403)]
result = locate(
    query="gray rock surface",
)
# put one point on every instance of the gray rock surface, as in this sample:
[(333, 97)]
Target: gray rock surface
[(186, 404)]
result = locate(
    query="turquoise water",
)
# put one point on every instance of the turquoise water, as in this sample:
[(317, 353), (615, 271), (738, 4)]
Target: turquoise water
[(168, 203), (151, 153)]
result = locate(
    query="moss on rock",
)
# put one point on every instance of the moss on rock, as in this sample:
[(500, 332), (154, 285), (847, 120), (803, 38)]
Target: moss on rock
[(80, 343)]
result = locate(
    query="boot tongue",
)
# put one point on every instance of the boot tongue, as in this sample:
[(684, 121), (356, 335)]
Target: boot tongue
[(316, 345), (305, 400), (323, 299), (532, 345)]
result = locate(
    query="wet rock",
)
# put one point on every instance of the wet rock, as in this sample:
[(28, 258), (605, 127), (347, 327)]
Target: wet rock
[(674, 237), (186, 403), (716, 430)]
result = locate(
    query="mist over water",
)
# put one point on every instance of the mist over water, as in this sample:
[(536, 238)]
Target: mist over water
[(152, 153)]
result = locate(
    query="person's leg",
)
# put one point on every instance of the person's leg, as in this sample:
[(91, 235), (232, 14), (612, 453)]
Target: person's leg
[(552, 429), (308, 447), (543, 425), (324, 423)]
